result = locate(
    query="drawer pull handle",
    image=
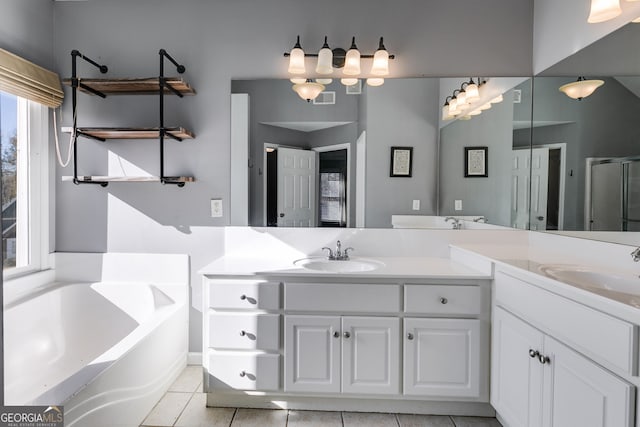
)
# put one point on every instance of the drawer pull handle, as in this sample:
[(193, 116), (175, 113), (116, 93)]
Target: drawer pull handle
[(443, 300), (336, 334), (243, 373), (347, 334), (242, 333), (544, 359), (243, 297), (409, 336), (533, 353)]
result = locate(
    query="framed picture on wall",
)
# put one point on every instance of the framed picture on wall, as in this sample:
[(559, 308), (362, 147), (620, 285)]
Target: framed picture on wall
[(401, 158), (475, 162)]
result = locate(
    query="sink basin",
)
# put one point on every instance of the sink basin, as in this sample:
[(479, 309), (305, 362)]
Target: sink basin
[(585, 277), (353, 265)]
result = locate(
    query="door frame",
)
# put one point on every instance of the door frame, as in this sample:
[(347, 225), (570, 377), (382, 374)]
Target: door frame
[(264, 178), (335, 147), (562, 146)]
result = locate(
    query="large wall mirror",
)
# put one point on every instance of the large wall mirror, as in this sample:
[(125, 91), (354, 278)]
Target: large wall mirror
[(383, 156), (588, 150)]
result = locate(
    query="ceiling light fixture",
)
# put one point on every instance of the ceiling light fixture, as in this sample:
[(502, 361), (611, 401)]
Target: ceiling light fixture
[(308, 90), (581, 88), (603, 10), (349, 61)]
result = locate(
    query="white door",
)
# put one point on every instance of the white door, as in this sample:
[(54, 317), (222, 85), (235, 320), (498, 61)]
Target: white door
[(520, 174), (296, 188), (371, 355), (539, 187), (580, 393), (312, 353), (441, 357), (516, 372)]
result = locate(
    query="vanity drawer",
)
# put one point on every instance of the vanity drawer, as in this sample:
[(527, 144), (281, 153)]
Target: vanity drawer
[(242, 371), (443, 299), (603, 338), (336, 297), (244, 331), (244, 294)]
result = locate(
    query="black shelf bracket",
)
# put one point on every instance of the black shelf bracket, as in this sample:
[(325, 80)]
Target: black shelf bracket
[(75, 83), (162, 83)]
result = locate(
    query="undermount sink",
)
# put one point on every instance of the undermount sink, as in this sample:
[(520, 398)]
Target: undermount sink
[(338, 266), (586, 277)]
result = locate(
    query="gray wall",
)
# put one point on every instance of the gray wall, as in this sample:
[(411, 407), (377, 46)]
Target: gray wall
[(219, 41), (603, 125), (401, 113), (489, 196)]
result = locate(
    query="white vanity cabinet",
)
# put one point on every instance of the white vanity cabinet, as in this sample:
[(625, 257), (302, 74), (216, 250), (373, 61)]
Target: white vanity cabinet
[(537, 381)]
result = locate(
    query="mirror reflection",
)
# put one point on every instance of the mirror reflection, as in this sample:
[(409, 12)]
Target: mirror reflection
[(383, 157), (585, 144)]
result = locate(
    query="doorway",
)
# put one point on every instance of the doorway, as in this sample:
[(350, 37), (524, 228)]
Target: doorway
[(333, 181)]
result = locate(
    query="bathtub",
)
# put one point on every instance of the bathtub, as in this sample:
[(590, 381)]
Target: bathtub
[(107, 345)]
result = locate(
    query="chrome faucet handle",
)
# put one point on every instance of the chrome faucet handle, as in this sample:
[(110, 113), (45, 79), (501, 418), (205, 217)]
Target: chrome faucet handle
[(636, 254), (338, 249), (330, 252), (481, 219), (345, 255)]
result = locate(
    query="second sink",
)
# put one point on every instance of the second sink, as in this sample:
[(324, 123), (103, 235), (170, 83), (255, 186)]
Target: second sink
[(353, 265), (582, 276)]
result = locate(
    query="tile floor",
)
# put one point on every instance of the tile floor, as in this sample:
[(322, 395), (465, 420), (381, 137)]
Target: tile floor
[(184, 405)]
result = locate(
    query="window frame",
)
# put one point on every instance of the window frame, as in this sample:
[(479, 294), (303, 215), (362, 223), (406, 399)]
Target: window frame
[(33, 124)]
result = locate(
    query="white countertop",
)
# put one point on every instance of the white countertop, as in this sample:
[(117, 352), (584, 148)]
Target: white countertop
[(394, 267)]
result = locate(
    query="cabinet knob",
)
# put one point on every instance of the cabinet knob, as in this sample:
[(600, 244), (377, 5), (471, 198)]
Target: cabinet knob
[(242, 333), (243, 374), (347, 334), (243, 297), (443, 300), (544, 359), (336, 334), (409, 336), (533, 353)]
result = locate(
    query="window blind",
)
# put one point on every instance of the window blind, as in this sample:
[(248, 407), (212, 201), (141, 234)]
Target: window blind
[(25, 79)]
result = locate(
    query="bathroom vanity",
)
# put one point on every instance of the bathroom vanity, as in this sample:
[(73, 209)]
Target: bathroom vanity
[(410, 336)]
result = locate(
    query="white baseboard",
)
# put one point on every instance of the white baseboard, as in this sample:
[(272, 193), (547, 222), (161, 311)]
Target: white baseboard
[(194, 358)]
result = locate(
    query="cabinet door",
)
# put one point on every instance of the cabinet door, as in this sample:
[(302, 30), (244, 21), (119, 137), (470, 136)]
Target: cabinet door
[(370, 355), (580, 393), (442, 357), (312, 353), (516, 378)]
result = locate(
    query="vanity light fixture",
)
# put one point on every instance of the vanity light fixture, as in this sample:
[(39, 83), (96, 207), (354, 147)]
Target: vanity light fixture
[(308, 90), (603, 10), (472, 91), (453, 104), (446, 114), (485, 107), (498, 99), (581, 88), (297, 80), (476, 112), (349, 61)]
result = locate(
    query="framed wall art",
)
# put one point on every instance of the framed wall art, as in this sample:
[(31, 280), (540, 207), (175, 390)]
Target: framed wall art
[(401, 158), (475, 162)]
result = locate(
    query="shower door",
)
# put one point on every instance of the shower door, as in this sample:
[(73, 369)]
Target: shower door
[(614, 195)]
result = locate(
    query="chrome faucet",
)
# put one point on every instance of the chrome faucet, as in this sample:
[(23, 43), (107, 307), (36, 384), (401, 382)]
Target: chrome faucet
[(338, 254), (457, 225), (482, 219), (636, 254)]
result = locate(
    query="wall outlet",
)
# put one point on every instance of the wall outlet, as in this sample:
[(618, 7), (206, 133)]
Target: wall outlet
[(416, 205), (458, 205), (216, 208)]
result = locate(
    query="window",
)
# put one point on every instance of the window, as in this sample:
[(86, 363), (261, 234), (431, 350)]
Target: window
[(24, 165)]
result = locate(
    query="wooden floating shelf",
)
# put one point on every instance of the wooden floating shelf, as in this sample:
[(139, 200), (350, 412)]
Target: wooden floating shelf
[(133, 133), (149, 86), (94, 178)]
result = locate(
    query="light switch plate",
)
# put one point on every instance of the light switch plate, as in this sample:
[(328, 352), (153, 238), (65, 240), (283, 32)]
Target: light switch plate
[(458, 205), (416, 205), (216, 208)]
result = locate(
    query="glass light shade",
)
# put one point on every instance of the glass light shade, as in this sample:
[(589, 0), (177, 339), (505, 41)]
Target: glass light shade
[(308, 90), (324, 81), (473, 94), (375, 81), (446, 114), (352, 63), (476, 112), (297, 80), (603, 10), (486, 106), (325, 61), (453, 106), (462, 99), (296, 61), (581, 88), (636, 21), (498, 99), (349, 81), (380, 66), (467, 117)]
